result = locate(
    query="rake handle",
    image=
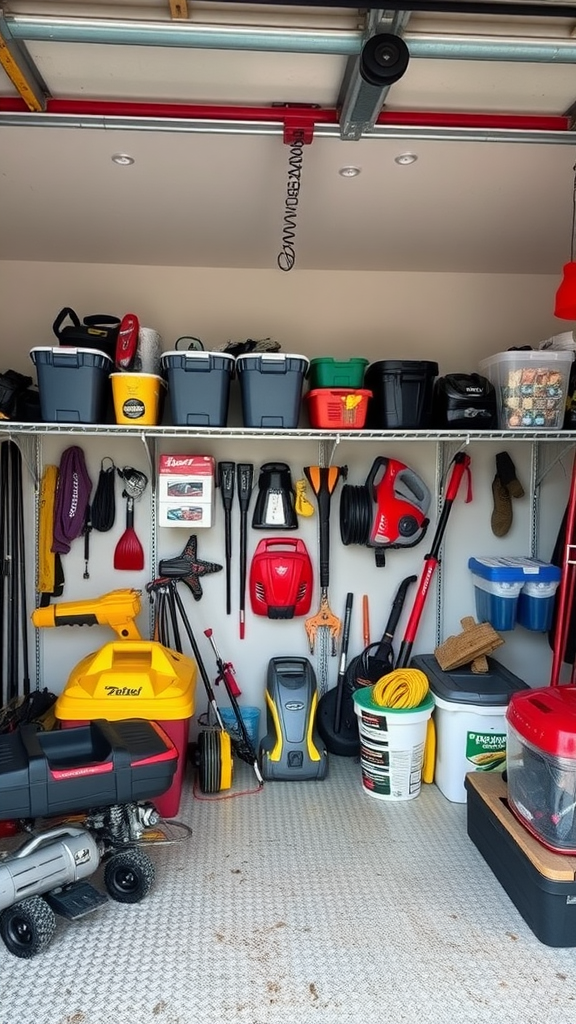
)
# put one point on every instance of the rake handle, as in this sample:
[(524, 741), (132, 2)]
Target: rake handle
[(323, 480)]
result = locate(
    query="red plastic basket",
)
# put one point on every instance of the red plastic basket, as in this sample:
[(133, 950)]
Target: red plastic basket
[(338, 407)]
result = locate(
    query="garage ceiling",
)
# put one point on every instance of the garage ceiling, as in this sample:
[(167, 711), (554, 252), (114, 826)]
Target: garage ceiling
[(207, 98)]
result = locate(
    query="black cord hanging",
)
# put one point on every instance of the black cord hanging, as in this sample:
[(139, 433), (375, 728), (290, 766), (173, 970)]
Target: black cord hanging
[(104, 504)]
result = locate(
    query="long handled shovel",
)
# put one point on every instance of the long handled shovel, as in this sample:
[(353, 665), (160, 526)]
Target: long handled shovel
[(461, 466), (324, 627)]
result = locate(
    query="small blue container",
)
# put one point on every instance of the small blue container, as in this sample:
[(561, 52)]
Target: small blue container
[(514, 589), (536, 605), (251, 719)]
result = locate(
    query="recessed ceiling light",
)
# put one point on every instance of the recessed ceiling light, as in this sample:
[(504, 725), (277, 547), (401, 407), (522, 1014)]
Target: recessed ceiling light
[(122, 159), (350, 172), (405, 158)]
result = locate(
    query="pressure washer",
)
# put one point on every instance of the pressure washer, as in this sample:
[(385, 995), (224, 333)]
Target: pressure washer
[(292, 748)]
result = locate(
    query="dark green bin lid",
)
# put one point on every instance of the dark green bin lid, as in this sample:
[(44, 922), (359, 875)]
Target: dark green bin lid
[(462, 686)]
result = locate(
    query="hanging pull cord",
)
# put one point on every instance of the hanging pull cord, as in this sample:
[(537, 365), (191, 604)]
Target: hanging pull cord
[(287, 255)]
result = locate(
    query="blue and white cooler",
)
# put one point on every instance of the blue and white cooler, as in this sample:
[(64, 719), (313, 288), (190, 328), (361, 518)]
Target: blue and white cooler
[(514, 589)]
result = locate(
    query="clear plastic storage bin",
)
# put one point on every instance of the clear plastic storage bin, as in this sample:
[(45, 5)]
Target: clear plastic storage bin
[(531, 388)]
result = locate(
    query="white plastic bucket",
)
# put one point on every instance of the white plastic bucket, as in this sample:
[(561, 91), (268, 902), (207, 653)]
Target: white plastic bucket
[(469, 738), (392, 744)]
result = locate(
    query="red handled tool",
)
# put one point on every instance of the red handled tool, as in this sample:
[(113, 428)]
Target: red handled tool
[(127, 341), (565, 598), (461, 466), (241, 743), (225, 669)]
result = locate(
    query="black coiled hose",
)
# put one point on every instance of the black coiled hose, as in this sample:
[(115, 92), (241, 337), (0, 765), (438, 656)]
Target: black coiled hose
[(356, 509)]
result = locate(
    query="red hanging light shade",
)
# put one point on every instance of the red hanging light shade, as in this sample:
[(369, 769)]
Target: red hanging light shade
[(565, 304)]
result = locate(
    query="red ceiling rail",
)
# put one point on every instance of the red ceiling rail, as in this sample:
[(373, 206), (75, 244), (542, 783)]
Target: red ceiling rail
[(293, 117)]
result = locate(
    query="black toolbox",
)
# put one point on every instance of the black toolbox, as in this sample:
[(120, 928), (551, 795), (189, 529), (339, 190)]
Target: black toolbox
[(43, 774), (540, 883)]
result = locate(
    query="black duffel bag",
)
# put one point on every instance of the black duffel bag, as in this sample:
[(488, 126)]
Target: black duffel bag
[(98, 331)]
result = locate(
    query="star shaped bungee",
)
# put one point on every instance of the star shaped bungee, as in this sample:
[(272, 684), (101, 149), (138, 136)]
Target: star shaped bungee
[(186, 568)]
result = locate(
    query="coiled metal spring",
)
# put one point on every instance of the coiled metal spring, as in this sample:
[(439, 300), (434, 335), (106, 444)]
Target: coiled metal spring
[(287, 255)]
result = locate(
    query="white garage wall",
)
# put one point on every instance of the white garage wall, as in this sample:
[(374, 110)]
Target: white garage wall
[(454, 319)]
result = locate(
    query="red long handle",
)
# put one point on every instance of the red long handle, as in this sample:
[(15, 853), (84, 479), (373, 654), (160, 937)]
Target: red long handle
[(566, 588), (460, 467)]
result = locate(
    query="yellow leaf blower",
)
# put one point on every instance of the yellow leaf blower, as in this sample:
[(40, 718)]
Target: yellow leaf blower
[(117, 609)]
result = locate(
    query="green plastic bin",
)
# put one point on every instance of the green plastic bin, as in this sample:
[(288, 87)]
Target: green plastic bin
[(327, 372)]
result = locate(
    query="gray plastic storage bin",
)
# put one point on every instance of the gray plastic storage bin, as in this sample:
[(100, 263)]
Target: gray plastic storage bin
[(73, 384), (199, 387), (271, 388)]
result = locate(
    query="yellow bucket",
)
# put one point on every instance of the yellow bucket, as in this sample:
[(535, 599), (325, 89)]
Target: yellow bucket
[(137, 397)]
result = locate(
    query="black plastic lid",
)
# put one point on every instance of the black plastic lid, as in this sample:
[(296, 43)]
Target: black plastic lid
[(425, 366), (470, 386), (462, 686)]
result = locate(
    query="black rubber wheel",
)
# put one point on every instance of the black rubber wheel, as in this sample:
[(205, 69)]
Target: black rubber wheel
[(384, 59), (27, 927), (209, 768), (128, 876), (346, 742)]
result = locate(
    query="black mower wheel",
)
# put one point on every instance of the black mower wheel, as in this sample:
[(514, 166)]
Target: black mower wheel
[(128, 876), (209, 761), (384, 59), (27, 927)]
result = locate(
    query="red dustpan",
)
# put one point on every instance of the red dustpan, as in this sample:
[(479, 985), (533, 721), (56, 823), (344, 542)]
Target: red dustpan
[(129, 553)]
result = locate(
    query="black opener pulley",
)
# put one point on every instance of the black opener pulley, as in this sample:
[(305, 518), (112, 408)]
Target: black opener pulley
[(384, 59)]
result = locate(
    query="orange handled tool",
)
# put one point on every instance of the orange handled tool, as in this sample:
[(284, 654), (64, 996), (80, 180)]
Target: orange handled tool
[(365, 621)]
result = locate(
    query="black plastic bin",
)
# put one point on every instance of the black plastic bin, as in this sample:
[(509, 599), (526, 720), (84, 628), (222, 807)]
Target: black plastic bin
[(402, 392), (73, 384), (539, 882), (199, 387), (271, 388)]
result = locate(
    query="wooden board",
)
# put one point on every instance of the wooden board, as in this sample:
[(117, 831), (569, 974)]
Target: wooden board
[(559, 867)]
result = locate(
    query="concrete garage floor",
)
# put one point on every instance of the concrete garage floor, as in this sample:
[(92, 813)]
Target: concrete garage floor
[(308, 902)]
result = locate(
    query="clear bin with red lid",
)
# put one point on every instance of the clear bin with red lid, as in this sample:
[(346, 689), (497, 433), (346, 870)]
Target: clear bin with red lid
[(541, 764)]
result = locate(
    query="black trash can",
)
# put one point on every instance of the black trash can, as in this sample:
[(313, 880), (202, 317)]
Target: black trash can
[(402, 392)]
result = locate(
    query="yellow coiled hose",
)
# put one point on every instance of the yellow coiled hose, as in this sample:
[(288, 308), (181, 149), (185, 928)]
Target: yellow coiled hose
[(402, 688), (407, 688)]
